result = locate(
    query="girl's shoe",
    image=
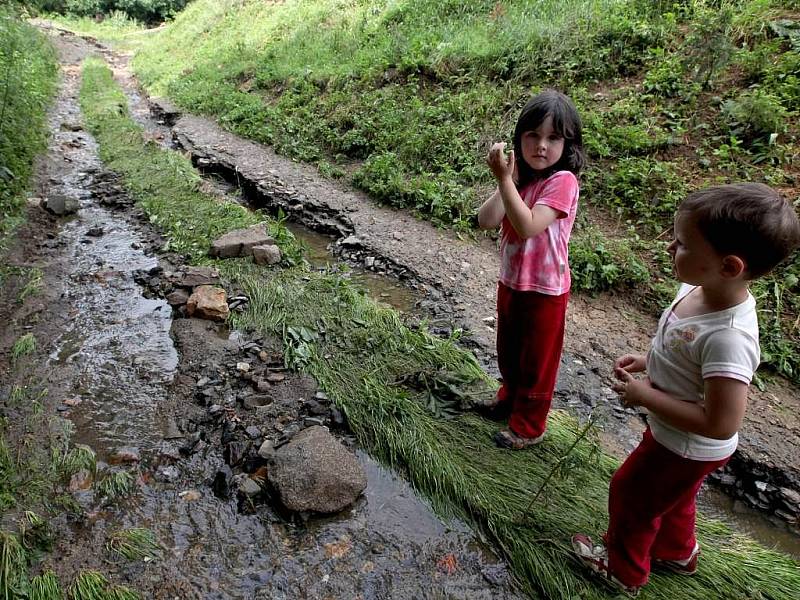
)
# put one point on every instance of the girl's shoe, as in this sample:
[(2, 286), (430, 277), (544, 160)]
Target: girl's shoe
[(595, 556), (687, 566), (505, 438)]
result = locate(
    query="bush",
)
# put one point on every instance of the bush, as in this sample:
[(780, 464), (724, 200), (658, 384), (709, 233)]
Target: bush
[(147, 11), (598, 263), (755, 114)]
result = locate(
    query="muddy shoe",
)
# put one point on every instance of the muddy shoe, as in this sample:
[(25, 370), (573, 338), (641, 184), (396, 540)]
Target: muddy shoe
[(496, 411), (595, 556), (505, 438), (687, 566)]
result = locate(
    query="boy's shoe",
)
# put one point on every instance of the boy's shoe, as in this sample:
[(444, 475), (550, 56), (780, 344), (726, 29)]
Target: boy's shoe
[(505, 438), (595, 556), (687, 566)]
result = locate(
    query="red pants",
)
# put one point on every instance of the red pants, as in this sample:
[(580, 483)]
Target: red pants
[(530, 335), (651, 509)]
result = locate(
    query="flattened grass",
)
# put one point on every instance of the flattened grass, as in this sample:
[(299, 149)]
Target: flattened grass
[(362, 353)]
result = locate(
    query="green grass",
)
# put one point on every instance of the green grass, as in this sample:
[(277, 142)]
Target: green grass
[(391, 381), (134, 544), (24, 346), (91, 585), (116, 485), (27, 84), (46, 587)]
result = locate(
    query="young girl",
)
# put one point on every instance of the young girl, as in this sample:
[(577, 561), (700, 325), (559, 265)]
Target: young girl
[(535, 205)]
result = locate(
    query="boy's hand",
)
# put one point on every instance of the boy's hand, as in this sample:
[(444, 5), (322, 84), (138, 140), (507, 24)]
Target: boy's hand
[(501, 166), (632, 363), (632, 391)]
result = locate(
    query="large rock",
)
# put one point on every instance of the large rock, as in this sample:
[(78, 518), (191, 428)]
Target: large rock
[(266, 255), (208, 302), (315, 473), (60, 205), (195, 276), (241, 242)]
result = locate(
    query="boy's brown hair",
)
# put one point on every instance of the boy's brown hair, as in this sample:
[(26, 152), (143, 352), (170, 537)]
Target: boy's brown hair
[(749, 220)]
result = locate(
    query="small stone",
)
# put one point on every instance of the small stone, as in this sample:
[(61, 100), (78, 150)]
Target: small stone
[(276, 377), (311, 421), (168, 473), (243, 367), (72, 401), (321, 396), (267, 449), (262, 385), (125, 455), (202, 382), (263, 356), (369, 261), (253, 432), (215, 409), (190, 495), (248, 487)]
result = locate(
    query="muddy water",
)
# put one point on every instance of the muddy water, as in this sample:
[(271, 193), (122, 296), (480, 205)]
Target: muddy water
[(114, 354), (382, 288), (772, 534)]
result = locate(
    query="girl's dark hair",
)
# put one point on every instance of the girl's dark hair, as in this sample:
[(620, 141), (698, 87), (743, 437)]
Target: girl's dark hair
[(566, 122)]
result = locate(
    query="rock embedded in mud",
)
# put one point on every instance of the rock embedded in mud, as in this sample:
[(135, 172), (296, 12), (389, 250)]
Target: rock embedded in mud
[(268, 254), (195, 276), (241, 242), (60, 205), (267, 449), (177, 297), (208, 302), (316, 473)]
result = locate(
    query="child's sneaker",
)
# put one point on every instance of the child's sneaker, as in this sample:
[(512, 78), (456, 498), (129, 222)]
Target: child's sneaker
[(595, 556), (687, 566)]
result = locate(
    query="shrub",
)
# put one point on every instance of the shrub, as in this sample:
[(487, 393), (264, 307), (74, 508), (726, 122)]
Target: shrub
[(755, 114)]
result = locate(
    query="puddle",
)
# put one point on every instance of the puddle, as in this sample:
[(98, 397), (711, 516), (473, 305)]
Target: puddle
[(381, 288), (741, 518)]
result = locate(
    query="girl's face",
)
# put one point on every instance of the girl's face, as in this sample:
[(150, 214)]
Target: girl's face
[(542, 147)]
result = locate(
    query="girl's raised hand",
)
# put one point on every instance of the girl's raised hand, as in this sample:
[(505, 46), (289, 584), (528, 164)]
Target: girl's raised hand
[(501, 166)]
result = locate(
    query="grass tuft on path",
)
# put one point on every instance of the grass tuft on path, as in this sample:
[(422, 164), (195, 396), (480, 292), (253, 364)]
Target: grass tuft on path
[(365, 358)]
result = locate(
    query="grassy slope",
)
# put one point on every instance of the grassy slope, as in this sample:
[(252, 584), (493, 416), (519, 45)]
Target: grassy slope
[(27, 83), (659, 86), (364, 358)]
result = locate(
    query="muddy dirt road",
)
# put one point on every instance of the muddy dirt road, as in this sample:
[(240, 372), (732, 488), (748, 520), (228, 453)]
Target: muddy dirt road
[(166, 401)]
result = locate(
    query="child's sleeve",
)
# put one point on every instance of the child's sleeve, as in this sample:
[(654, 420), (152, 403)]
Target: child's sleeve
[(730, 353), (559, 193)]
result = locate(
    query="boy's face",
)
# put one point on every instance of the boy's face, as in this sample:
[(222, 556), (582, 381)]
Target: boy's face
[(695, 261)]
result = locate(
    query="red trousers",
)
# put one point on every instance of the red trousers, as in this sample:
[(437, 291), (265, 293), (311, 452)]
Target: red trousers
[(651, 509), (530, 336)]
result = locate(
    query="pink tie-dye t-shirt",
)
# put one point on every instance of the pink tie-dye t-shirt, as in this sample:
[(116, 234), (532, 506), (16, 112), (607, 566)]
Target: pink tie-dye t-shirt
[(540, 264)]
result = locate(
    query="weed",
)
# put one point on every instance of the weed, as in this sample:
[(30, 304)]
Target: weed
[(24, 346), (91, 585), (46, 587), (116, 485), (33, 285), (134, 544)]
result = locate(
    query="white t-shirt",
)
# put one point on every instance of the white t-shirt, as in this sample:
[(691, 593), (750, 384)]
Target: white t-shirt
[(685, 352)]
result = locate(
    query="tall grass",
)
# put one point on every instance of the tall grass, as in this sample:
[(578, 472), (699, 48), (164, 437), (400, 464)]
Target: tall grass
[(370, 364), (27, 84)]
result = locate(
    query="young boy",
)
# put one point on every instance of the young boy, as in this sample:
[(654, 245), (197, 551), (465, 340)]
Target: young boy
[(699, 367)]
